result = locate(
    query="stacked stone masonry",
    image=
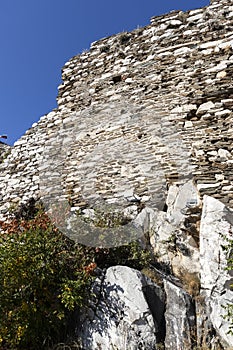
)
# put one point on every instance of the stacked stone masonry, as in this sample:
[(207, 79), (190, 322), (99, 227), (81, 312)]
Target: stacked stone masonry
[(144, 124), (4, 151), (136, 113)]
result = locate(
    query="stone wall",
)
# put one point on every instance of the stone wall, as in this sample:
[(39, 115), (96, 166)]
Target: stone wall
[(144, 125), (4, 150), (156, 103)]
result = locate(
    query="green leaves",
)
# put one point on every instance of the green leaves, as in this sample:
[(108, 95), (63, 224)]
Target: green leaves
[(42, 279), (71, 292)]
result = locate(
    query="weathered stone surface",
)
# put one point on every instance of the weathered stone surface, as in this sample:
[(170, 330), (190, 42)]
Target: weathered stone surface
[(182, 200), (128, 312), (174, 234), (144, 127), (205, 107), (146, 218), (216, 226), (4, 151), (180, 318)]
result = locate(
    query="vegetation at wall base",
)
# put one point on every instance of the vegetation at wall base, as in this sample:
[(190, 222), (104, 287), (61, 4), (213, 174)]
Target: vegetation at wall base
[(45, 278)]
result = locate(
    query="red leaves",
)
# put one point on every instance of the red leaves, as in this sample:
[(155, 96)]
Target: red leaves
[(41, 221), (89, 269)]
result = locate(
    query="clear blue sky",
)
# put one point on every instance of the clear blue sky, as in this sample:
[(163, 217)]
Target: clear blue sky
[(38, 36)]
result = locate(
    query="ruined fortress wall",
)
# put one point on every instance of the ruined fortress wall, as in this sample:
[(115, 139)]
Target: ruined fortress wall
[(137, 112), (4, 150)]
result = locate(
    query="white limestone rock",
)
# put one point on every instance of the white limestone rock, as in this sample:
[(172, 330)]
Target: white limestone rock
[(171, 239), (184, 108), (146, 219), (182, 51), (180, 318), (175, 23), (221, 74), (195, 18), (205, 107), (220, 67), (224, 154), (180, 200), (216, 226), (121, 318), (188, 124), (206, 186)]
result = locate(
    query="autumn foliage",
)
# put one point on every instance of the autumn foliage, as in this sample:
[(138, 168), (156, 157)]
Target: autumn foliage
[(43, 278)]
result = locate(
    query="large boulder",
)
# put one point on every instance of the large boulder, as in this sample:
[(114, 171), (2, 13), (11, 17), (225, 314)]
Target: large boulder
[(127, 312), (216, 228)]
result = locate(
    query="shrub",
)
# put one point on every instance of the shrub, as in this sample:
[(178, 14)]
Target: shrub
[(43, 277), (131, 254)]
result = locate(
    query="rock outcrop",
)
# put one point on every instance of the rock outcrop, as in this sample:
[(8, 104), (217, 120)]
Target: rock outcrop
[(180, 318), (130, 311), (216, 280), (126, 313)]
